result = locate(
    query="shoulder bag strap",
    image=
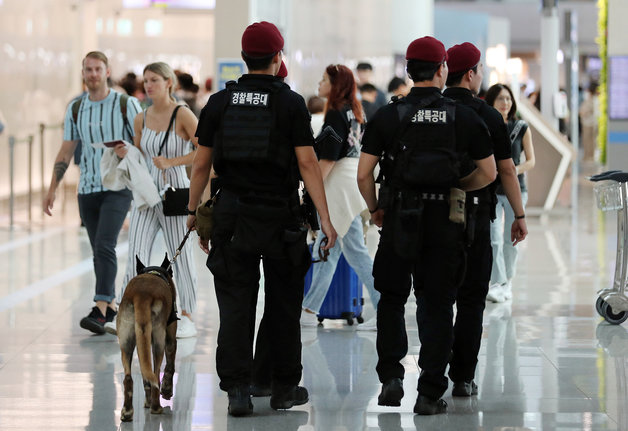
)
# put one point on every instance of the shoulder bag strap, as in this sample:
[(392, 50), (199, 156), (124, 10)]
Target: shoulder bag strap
[(515, 131), (174, 115)]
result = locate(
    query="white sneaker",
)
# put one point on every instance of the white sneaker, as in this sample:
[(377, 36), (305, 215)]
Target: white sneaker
[(496, 293), (507, 290), (369, 325), (185, 328), (308, 319), (110, 327)]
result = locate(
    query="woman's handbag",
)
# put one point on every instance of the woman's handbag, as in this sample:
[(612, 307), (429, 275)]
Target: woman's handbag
[(175, 201)]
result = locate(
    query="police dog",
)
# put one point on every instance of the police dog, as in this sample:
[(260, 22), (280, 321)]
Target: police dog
[(147, 318)]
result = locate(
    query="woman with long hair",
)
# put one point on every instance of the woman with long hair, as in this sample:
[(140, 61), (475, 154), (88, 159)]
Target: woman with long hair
[(166, 160), (501, 98), (338, 150)]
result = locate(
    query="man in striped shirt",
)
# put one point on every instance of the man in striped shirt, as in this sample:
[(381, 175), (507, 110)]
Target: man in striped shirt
[(101, 115)]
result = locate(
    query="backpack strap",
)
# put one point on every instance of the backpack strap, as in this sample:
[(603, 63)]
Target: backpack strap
[(123, 104), (76, 107)]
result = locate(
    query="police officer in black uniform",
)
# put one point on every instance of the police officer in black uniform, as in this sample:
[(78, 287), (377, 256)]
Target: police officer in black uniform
[(463, 83), (257, 134), (430, 148)]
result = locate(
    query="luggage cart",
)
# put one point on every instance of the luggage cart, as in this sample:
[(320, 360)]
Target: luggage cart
[(611, 193)]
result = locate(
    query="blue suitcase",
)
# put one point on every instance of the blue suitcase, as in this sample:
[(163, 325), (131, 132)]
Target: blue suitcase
[(344, 299)]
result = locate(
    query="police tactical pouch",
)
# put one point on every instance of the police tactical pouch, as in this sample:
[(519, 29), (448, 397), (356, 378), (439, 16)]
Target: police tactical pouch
[(205, 219), (457, 199)]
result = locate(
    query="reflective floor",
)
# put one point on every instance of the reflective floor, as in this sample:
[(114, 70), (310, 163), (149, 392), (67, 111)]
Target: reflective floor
[(548, 361)]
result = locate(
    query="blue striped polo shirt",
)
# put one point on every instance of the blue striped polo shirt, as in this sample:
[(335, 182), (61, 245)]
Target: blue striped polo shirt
[(99, 121)]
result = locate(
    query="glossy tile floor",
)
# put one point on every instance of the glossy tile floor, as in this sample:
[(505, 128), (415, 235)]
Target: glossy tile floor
[(548, 361)]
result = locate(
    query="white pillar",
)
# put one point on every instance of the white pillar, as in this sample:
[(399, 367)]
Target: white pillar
[(411, 19), (231, 17), (550, 37), (85, 39)]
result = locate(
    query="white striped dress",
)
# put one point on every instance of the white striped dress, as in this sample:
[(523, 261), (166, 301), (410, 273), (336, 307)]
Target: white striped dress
[(146, 223)]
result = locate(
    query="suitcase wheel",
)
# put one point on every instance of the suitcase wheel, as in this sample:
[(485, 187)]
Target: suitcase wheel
[(360, 319)]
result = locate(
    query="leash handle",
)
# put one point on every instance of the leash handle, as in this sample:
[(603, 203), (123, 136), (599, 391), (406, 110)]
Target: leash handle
[(177, 252)]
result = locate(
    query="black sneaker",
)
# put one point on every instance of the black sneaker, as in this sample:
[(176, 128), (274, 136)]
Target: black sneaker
[(240, 401), (94, 321), (428, 406), (283, 397), (392, 393), (464, 389), (260, 390)]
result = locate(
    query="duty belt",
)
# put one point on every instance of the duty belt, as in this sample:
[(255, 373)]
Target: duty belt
[(434, 196)]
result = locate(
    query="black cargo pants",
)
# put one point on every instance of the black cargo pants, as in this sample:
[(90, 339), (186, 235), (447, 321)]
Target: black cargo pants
[(471, 300), (244, 233), (436, 273)]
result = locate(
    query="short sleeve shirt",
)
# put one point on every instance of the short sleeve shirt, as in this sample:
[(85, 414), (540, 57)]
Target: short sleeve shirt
[(98, 121), (293, 119), (491, 117), (340, 136), (472, 136)]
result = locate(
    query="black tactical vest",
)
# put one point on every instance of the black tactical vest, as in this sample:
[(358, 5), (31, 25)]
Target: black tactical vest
[(424, 152), (249, 134)]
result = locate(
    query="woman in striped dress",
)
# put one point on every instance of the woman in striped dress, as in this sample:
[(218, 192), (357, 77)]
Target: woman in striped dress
[(165, 168)]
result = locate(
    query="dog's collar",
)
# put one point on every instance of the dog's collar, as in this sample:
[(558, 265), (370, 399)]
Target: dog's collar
[(158, 271)]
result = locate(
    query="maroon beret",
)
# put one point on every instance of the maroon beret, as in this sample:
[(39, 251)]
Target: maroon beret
[(462, 57), (283, 71), (261, 39), (426, 49)]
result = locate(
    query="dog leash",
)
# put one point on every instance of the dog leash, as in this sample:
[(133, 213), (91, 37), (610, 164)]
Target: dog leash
[(177, 252)]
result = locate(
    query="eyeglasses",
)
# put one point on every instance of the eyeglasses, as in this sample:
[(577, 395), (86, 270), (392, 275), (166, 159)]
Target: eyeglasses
[(323, 253)]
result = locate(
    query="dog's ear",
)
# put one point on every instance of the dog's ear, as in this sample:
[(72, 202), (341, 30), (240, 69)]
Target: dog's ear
[(139, 266), (166, 264)]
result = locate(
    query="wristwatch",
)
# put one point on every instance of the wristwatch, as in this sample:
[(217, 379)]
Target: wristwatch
[(520, 217), (191, 212)]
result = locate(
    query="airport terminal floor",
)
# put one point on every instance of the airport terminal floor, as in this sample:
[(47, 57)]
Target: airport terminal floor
[(547, 362)]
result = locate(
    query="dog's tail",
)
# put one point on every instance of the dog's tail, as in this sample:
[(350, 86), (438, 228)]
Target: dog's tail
[(143, 335)]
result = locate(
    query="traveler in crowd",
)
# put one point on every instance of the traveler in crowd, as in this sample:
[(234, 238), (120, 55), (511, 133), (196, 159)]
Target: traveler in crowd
[(432, 151), (368, 97), (338, 150), (504, 251), (164, 133), (256, 216), (187, 91), (101, 115), (463, 84), (589, 116), (364, 72), (398, 87)]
